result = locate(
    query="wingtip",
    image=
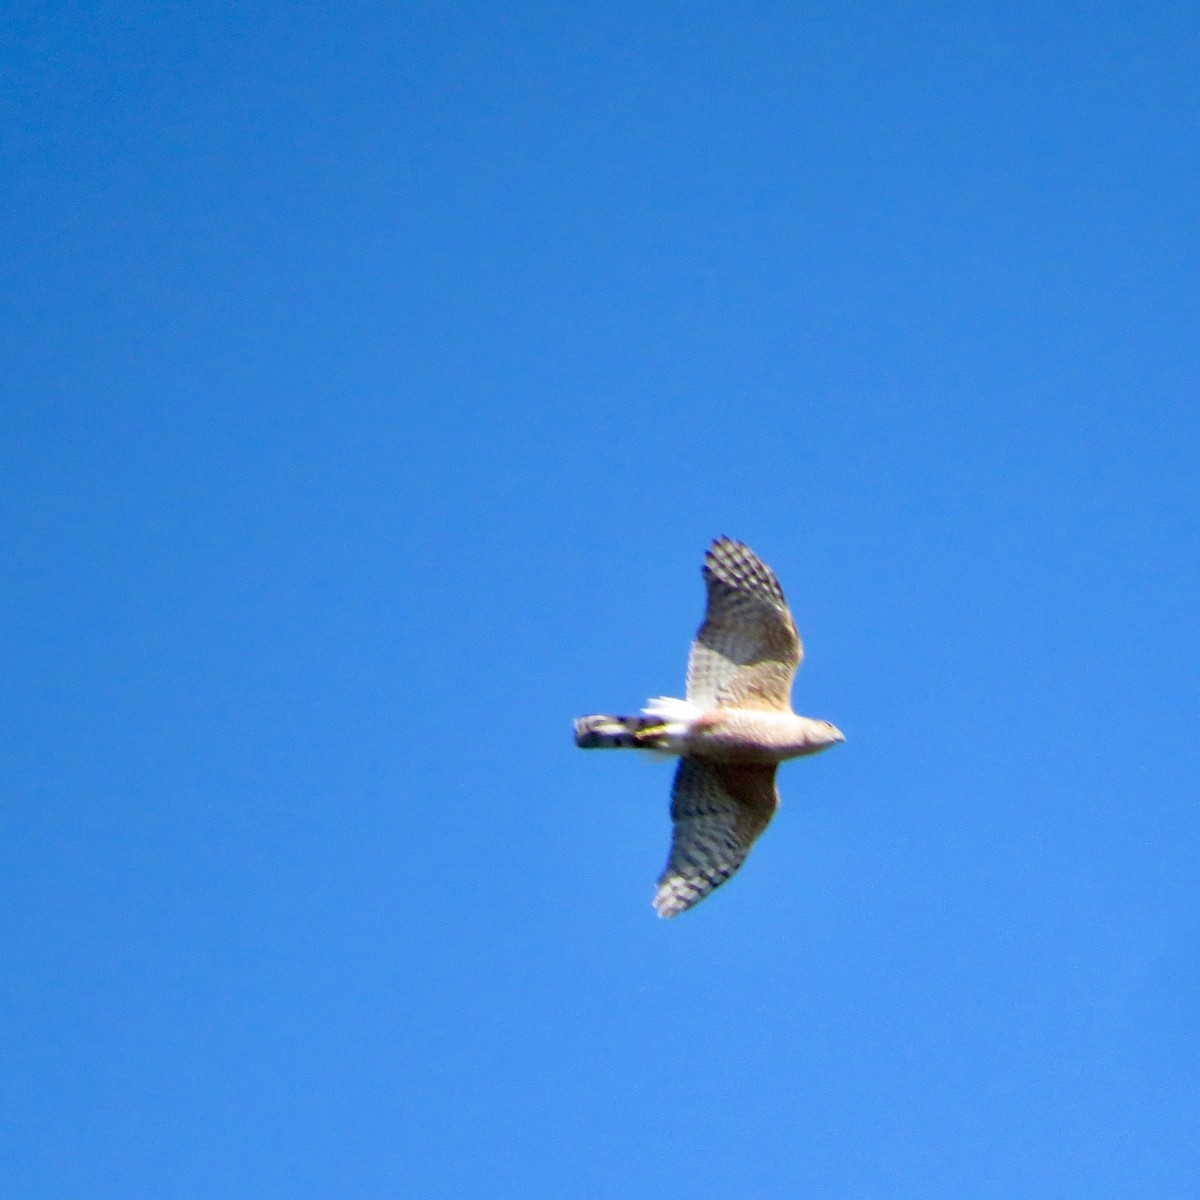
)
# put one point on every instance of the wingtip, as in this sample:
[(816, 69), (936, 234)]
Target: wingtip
[(671, 899), (719, 549)]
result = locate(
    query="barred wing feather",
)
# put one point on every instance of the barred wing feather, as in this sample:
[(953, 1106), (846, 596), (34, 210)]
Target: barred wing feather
[(718, 810), (747, 651)]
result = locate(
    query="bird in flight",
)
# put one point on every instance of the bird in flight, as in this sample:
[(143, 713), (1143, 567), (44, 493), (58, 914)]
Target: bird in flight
[(731, 732)]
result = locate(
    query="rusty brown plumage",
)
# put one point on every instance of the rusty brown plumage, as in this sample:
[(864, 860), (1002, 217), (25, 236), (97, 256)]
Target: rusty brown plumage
[(731, 732)]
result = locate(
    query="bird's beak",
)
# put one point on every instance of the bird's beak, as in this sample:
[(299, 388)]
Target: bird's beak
[(838, 735)]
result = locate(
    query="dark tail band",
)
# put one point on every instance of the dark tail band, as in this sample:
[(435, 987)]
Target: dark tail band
[(619, 733)]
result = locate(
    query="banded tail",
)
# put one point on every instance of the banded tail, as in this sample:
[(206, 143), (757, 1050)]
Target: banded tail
[(621, 733)]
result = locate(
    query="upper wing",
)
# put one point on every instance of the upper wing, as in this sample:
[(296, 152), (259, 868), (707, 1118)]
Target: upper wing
[(747, 651), (718, 809)]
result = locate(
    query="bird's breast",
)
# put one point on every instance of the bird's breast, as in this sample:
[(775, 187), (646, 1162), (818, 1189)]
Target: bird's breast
[(753, 736)]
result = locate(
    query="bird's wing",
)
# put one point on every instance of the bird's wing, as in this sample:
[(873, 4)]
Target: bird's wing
[(718, 809), (747, 650)]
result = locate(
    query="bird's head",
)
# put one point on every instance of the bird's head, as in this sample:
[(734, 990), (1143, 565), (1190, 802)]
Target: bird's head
[(831, 732)]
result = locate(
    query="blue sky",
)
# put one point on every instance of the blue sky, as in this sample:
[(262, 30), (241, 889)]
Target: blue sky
[(375, 377)]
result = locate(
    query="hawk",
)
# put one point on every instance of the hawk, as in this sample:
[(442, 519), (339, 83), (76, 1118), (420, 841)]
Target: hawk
[(731, 732)]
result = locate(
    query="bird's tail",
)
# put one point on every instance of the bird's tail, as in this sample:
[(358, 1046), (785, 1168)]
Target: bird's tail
[(623, 733)]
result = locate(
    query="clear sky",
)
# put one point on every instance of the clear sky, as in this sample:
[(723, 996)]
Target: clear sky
[(375, 376)]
